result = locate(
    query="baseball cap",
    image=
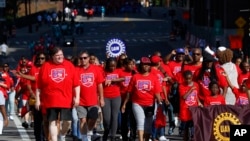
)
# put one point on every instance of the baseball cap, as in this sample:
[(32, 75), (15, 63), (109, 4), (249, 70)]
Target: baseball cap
[(208, 57), (180, 50), (145, 60), (156, 59)]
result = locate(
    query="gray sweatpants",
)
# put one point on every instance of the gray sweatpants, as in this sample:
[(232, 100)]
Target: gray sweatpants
[(110, 113)]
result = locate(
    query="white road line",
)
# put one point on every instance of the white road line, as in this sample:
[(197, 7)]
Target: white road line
[(150, 40), (21, 130), (96, 41), (88, 41), (134, 40), (127, 40), (103, 40), (142, 40)]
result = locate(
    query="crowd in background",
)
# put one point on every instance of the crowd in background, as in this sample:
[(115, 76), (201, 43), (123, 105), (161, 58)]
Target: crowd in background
[(126, 97)]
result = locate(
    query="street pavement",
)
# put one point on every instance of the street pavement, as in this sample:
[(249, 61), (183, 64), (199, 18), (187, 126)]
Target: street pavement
[(142, 35)]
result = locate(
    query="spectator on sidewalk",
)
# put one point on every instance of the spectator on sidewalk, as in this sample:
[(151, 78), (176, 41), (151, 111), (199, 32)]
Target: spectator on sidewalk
[(3, 48)]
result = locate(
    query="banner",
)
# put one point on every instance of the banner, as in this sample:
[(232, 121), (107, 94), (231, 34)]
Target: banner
[(213, 123)]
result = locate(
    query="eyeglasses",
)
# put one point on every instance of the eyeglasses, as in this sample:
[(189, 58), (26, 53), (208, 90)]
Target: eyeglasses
[(5, 66), (197, 54), (41, 58), (83, 58)]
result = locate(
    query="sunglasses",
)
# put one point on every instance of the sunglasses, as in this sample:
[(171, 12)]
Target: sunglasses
[(5, 66), (197, 54), (83, 58), (41, 58)]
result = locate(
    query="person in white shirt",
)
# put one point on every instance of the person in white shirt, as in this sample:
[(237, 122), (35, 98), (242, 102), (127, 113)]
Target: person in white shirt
[(3, 49)]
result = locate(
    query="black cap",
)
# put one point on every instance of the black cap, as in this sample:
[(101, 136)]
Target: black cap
[(208, 57)]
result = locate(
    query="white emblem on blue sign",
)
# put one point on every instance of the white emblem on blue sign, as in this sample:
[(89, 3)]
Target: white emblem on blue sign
[(115, 47)]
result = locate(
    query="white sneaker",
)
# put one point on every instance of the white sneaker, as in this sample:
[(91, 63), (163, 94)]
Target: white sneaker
[(176, 121), (11, 118), (61, 138), (163, 138)]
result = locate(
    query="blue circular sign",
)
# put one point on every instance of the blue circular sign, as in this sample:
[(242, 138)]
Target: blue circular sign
[(115, 47)]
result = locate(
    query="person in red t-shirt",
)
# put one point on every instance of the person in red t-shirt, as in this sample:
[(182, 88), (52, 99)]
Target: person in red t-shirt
[(144, 88), (244, 73), (127, 118), (39, 115), (215, 98), (112, 98), (189, 91), (207, 73), (240, 93), (56, 81), (23, 92), (155, 69), (91, 80)]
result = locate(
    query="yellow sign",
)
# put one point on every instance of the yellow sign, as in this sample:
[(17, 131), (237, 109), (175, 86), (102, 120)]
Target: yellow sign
[(240, 22), (240, 31), (220, 129)]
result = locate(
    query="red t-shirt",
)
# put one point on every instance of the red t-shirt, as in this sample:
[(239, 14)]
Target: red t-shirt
[(8, 81), (24, 88), (124, 84), (143, 89), (113, 90), (56, 82), (204, 83), (241, 97), (89, 79), (191, 67), (190, 101), (34, 71), (160, 77), (242, 77), (175, 67), (214, 100)]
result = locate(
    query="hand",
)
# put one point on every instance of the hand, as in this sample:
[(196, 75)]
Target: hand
[(76, 101), (123, 108), (200, 105), (101, 101), (38, 104), (167, 102), (108, 82), (6, 122), (173, 52)]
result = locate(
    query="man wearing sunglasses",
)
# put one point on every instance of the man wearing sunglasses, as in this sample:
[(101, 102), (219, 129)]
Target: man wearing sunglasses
[(91, 95)]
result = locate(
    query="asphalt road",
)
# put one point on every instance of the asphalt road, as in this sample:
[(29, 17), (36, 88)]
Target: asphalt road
[(141, 34)]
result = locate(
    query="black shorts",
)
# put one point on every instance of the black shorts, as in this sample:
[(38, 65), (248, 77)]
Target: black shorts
[(59, 113)]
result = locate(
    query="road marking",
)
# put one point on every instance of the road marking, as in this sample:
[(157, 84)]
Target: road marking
[(134, 40), (127, 40), (21, 130), (88, 41), (103, 40), (96, 41), (142, 40), (150, 40)]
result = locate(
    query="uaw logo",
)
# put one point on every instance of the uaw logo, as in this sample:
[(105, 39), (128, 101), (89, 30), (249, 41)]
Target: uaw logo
[(221, 126), (126, 81), (191, 99), (143, 85), (87, 79), (115, 47), (58, 74)]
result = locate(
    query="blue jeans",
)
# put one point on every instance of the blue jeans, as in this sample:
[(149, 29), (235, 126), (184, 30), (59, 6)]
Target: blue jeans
[(10, 103), (157, 131), (75, 124)]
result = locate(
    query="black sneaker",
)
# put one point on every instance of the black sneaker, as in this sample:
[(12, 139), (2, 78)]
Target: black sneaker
[(25, 125), (32, 124)]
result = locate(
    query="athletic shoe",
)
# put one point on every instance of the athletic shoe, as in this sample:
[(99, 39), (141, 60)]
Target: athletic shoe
[(176, 121), (11, 118), (61, 138), (25, 125), (170, 131), (32, 124), (163, 138)]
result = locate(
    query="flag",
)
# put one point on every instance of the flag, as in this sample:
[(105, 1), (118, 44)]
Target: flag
[(213, 123)]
